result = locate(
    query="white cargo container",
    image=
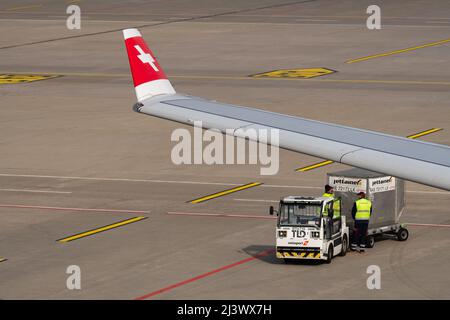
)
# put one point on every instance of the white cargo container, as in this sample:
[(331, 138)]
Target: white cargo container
[(386, 193)]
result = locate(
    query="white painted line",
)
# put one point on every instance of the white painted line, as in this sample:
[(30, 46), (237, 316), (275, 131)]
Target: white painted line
[(427, 225), (35, 191), (185, 182), (223, 215), (250, 216), (315, 20), (118, 179), (21, 206)]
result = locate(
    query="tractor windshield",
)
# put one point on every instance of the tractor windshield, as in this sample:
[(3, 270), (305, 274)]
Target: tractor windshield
[(294, 214)]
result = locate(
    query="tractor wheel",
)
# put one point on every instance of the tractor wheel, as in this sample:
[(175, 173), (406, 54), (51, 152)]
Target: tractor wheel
[(370, 242), (344, 246), (330, 254), (402, 234)]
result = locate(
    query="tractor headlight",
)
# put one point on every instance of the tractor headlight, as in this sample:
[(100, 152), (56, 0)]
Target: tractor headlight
[(315, 234), (282, 233)]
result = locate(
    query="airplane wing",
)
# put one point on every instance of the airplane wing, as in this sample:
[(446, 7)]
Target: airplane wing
[(413, 160)]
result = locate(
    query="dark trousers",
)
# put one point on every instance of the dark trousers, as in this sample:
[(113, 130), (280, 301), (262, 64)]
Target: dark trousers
[(361, 227)]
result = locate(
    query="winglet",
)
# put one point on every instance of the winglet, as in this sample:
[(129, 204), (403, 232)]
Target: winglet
[(148, 77)]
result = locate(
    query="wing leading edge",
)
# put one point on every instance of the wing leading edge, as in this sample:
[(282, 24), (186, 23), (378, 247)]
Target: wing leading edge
[(414, 160)]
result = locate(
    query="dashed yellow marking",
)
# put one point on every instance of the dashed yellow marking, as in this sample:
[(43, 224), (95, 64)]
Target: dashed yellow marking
[(399, 51), (327, 162), (225, 192), (22, 78), (314, 166), (295, 73), (424, 133), (98, 230)]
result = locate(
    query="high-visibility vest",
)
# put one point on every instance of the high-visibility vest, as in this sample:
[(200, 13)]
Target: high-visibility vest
[(328, 195), (325, 211), (337, 208), (363, 207)]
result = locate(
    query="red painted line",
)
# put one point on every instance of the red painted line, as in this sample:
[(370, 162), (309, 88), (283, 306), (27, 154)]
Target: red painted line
[(17, 206), (222, 215), (428, 225), (204, 275)]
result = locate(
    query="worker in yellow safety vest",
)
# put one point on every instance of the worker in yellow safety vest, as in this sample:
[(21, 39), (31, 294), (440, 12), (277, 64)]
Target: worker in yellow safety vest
[(334, 221), (361, 212), (329, 193)]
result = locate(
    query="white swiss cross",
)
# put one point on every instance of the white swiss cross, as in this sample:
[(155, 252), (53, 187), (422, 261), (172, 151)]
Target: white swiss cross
[(146, 57)]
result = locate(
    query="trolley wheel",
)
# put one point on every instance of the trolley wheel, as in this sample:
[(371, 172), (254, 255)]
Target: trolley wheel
[(370, 242), (344, 246), (330, 254), (402, 234)]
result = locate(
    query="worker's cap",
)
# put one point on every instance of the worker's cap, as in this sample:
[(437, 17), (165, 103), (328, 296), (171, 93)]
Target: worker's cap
[(361, 194)]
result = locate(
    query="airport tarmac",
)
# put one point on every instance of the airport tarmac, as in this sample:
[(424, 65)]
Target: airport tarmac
[(74, 157)]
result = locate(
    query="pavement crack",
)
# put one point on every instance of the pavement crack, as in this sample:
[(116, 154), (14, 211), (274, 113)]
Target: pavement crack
[(159, 23)]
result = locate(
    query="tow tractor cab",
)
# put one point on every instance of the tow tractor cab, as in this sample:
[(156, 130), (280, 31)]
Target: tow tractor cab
[(310, 228)]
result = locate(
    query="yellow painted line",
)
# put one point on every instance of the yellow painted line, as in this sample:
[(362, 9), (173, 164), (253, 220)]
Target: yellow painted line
[(314, 166), (8, 78), (225, 192), (327, 162), (424, 133), (2, 259), (98, 230), (399, 51), (223, 77), (24, 7)]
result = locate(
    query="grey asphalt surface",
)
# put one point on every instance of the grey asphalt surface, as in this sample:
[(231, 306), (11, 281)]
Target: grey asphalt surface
[(74, 142)]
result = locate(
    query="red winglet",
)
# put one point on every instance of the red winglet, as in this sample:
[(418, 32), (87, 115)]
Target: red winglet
[(148, 77)]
